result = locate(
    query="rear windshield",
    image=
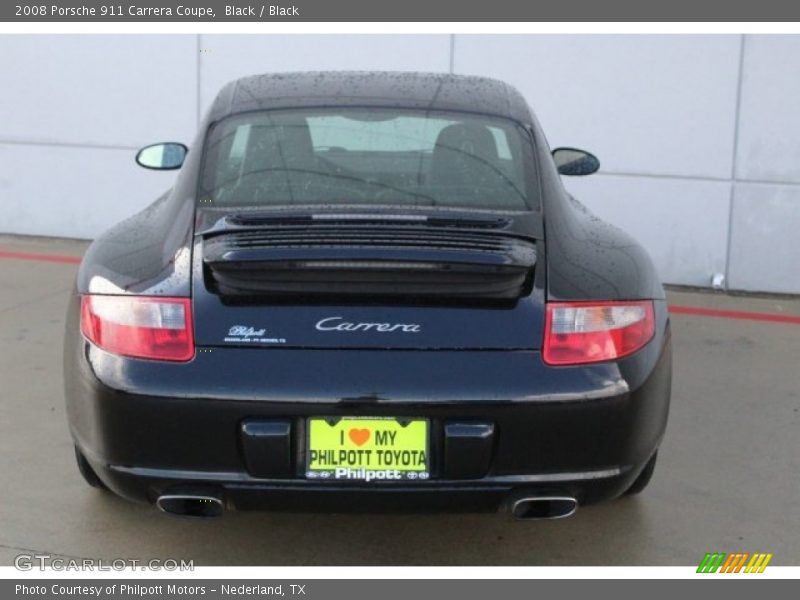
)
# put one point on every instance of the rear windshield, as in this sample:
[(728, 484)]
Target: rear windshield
[(380, 157)]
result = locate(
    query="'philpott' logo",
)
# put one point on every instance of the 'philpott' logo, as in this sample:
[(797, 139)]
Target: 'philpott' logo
[(734, 563)]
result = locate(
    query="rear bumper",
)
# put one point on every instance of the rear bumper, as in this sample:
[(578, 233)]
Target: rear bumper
[(586, 432), (241, 492)]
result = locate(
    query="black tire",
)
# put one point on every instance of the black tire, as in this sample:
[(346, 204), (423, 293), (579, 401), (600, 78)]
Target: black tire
[(89, 476), (644, 477)]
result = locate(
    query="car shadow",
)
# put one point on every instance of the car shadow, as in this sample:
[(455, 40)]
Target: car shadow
[(612, 533)]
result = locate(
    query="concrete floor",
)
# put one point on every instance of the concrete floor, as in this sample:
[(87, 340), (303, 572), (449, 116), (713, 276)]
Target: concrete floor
[(728, 477)]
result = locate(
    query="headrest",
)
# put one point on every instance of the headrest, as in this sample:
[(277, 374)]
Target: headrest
[(470, 139), (284, 144), (465, 155)]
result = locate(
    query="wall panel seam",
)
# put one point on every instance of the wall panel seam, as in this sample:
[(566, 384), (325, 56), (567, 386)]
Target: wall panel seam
[(732, 197)]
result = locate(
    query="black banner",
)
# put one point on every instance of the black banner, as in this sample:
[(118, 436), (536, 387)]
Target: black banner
[(408, 11), (397, 589)]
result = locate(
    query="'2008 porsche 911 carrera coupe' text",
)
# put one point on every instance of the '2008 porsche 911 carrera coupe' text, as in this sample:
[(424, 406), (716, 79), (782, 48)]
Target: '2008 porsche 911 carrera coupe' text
[(367, 291)]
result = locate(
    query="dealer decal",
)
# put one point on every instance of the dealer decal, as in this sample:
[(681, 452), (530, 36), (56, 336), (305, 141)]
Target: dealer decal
[(248, 335)]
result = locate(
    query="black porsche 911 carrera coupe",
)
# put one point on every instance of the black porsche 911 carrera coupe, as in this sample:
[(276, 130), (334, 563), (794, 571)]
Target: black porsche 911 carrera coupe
[(367, 291)]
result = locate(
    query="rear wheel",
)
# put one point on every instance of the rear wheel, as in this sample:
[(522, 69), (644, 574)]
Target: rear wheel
[(644, 477), (89, 476)]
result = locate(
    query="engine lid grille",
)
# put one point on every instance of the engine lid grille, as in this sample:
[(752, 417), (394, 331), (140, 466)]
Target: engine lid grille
[(364, 260)]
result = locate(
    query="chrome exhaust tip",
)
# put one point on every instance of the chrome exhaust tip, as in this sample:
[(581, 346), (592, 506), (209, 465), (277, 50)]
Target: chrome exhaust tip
[(544, 507), (203, 505)]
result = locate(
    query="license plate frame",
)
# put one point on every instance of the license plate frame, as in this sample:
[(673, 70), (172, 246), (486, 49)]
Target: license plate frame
[(372, 464)]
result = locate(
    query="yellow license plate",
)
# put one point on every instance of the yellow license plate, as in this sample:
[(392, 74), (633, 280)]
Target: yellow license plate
[(368, 449)]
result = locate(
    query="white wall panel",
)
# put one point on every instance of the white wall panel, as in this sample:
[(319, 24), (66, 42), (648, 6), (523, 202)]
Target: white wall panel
[(224, 58), (123, 90), (683, 224), (765, 254), (769, 126), (72, 192), (661, 105)]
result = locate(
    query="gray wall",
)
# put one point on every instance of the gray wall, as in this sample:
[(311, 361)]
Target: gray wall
[(699, 136)]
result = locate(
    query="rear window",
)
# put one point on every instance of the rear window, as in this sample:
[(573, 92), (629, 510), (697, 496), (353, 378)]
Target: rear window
[(377, 157)]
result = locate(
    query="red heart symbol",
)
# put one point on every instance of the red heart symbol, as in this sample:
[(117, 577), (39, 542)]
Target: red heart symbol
[(359, 436)]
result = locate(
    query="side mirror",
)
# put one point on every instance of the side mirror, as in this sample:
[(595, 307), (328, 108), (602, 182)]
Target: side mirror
[(162, 157), (574, 161)]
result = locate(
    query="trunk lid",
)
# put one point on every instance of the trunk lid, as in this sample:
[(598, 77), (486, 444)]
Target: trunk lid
[(377, 280)]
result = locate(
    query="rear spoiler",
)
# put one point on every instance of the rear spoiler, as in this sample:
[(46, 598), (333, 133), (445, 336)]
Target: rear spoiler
[(387, 262)]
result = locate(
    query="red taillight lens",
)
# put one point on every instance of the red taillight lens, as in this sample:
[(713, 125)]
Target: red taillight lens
[(138, 326), (586, 332)]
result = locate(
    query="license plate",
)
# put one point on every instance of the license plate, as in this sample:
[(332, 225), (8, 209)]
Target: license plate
[(367, 449)]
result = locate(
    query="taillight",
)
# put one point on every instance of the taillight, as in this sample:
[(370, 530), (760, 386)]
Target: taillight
[(588, 332), (139, 326)]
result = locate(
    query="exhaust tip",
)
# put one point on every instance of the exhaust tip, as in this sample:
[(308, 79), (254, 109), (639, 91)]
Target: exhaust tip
[(191, 505), (544, 507)]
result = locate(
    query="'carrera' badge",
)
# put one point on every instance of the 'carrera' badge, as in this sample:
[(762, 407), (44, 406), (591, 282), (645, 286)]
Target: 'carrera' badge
[(339, 324)]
